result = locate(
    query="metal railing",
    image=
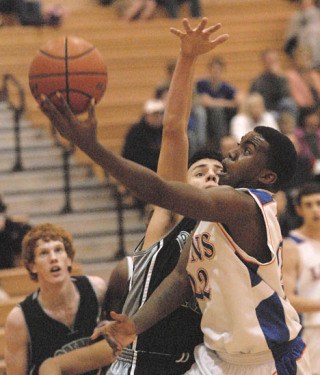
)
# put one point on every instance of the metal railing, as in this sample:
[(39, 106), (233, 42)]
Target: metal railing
[(18, 110), (67, 151)]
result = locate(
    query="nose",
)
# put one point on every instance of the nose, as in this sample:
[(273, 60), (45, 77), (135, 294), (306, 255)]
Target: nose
[(53, 255), (212, 176), (232, 155)]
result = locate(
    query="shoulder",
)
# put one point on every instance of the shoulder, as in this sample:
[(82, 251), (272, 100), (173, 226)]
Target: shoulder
[(15, 321), (290, 251), (99, 285)]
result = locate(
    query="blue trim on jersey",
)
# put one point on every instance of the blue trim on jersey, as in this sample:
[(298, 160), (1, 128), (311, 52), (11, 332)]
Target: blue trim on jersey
[(264, 197), (286, 356), (296, 239), (271, 316), (254, 277), (253, 269)]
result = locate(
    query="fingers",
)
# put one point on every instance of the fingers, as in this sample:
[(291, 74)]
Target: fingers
[(118, 317), (92, 112), (115, 346), (220, 39), (65, 109), (98, 331), (212, 29)]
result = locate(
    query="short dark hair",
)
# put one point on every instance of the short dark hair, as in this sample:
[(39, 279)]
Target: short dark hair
[(308, 188), (282, 156), (3, 206), (204, 153)]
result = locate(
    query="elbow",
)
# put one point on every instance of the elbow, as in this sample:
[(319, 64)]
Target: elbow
[(48, 367)]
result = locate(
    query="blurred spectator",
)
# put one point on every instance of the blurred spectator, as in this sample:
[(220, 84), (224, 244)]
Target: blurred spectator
[(308, 137), (253, 113), (31, 12), (304, 30), (227, 143), (220, 100), (304, 82), (287, 123), (272, 84), (173, 7), (143, 141), (11, 235), (145, 9), (197, 125)]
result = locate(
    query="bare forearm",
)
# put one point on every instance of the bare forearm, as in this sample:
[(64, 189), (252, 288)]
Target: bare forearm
[(305, 305), (180, 93), (171, 293)]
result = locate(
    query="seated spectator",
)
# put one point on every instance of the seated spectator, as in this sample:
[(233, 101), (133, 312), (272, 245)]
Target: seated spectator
[(287, 123), (197, 125), (272, 84), (219, 98), (145, 9), (304, 82), (304, 30), (308, 137), (31, 13), (253, 113), (11, 235), (143, 140)]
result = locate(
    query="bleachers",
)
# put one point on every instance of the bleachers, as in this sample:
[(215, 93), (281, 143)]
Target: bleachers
[(136, 53)]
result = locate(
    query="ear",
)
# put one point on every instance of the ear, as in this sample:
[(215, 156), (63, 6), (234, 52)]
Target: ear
[(267, 177), (69, 263), (32, 267), (298, 210)]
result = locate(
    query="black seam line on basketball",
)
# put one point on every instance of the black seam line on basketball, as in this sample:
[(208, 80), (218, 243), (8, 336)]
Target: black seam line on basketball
[(46, 75), (70, 57), (72, 91), (66, 69)]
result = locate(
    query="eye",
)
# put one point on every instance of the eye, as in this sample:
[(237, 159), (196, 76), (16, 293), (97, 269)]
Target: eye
[(43, 253), (199, 174), (246, 151), (59, 249)]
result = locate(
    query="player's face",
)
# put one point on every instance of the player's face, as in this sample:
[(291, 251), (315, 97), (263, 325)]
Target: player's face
[(309, 209), (51, 261), (245, 164), (204, 173)]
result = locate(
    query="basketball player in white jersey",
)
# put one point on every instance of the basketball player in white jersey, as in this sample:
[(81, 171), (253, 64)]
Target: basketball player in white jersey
[(234, 258), (301, 268), (159, 251)]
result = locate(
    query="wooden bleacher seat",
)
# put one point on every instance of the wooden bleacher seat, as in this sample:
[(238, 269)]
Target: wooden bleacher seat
[(16, 281)]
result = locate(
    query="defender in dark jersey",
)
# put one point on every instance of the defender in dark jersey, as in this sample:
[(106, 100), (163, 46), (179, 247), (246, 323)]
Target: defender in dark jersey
[(61, 314), (167, 348)]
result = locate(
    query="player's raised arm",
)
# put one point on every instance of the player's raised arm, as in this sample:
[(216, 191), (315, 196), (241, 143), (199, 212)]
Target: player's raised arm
[(173, 159)]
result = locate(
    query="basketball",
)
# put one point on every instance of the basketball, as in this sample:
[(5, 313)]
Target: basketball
[(72, 66)]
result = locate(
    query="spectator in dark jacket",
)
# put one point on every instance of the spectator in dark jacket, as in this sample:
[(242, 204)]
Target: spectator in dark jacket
[(11, 235)]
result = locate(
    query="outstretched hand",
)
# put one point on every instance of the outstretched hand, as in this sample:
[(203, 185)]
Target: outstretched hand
[(79, 132), (197, 41), (122, 330)]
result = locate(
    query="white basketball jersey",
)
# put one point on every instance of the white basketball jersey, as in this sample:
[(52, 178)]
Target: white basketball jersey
[(242, 300), (309, 276)]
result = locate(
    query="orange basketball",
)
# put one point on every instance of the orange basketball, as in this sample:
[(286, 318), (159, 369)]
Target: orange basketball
[(72, 66)]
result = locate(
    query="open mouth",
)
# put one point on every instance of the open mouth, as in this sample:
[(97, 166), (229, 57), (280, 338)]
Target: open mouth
[(55, 269)]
